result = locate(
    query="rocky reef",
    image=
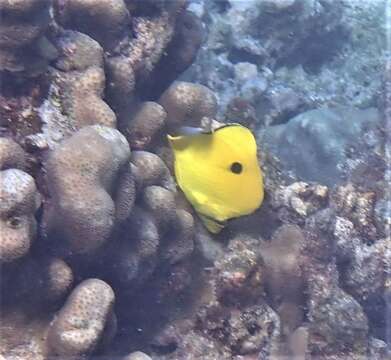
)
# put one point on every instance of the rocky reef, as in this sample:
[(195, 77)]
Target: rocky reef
[(101, 255), (281, 57)]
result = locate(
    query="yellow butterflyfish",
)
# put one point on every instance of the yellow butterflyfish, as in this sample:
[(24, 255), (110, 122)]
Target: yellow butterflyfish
[(219, 173)]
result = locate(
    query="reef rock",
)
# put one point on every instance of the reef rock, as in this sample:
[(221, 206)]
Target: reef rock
[(338, 323), (313, 145), (316, 52)]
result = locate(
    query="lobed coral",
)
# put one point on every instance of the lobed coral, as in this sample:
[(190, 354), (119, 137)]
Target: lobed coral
[(12, 155), (179, 243), (160, 202), (20, 40), (104, 21), (187, 104), (156, 233), (150, 170), (101, 204), (83, 183), (19, 201), (59, 278), (137, 258), (291, 280), (162, 44), (81, 81), (80, 323), (148, 122)]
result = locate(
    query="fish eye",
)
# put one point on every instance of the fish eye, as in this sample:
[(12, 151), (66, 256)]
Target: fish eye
[(236, 167)]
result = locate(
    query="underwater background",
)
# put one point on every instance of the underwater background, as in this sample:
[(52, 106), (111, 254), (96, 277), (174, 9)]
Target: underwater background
[(103, 257)]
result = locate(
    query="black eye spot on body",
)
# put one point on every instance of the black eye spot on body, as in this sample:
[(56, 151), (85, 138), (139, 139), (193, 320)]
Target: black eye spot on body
[(236, 168)]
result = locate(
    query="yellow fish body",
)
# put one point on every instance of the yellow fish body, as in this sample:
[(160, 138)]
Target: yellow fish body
[(219, 173)]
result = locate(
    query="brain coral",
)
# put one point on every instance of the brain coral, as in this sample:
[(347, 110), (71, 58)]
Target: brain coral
[(19, 200), (83, 176)]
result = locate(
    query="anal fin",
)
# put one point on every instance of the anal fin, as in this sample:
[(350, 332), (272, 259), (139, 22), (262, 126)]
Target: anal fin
[(212, 225)]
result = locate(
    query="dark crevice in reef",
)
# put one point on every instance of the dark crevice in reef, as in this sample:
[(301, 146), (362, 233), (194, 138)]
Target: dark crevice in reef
[(19, 100), (240, 55), (221, 6), (317, 50)]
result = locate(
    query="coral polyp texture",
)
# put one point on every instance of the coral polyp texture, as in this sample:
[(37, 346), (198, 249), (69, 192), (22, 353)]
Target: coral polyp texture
[(83, 175), (101, 255), (81, 81), (186, 104), (149, 169), (59, 278), (12, 155), (81, 322), (147, 124), (19, 201)]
